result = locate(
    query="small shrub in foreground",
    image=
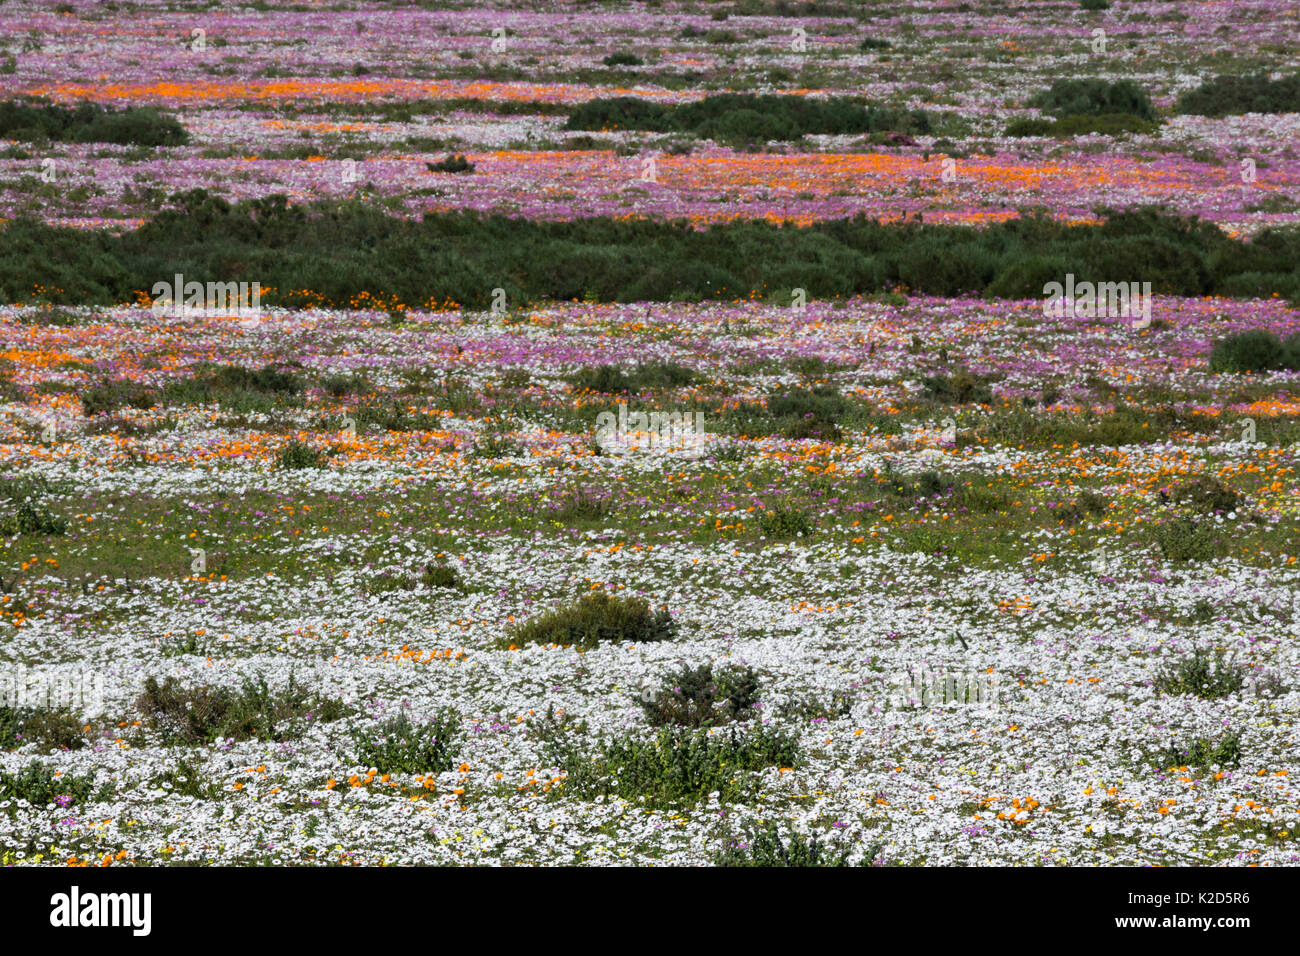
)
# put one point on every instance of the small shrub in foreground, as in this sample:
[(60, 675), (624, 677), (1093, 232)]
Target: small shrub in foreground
[(400, 745), (763, 846), (596, 619), (704, 697), (1201, 674)]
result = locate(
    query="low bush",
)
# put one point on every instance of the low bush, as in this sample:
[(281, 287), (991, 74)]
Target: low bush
[(764, 846), (1235, 95), (1255, 350), (47, 729), (1095, 97), (89, 123), (40, 786), (1201, 674), (203, 714), (296, 455), (400, 745), (704, 697), (1203, 753), (596, 619), (680, 766)]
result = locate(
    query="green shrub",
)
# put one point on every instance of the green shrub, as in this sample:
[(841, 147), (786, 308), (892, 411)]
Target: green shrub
[(763, 846), (680, 766), (622, 59), (30, 517), (1094, 4), (41, 786), (584, 505), (1105, 124), (1186, 540), (1203, 753), (784, 521), (1206, 495), (49, 730), (1255, 350), (400, 745), (746, 117), (596, 619), (961, 388), (203, 714), (1234, 95), (296, 454), (89, 123), (1202, 675), (114, 394), (434, 576), (1095, 97), (704, 697)]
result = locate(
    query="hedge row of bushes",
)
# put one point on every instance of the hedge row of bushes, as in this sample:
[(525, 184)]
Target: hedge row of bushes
[(1234, 95), (89, 123), (747, 118), (352, 253)]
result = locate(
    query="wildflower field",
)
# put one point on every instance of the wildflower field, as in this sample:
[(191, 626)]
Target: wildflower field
[(650, 439)]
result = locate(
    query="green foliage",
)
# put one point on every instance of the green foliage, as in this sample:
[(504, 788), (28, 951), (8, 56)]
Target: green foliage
[(237, 389), (1095, 97), (340, 250), (41, 786), (400, 745), (679, 767), (203, 714), (48, 729), (89, 123), (298, 455), (1204, 675), (704, 697), (764, 846), (1206, 495), (1186, 539), (1082, 124), (1255, 350), (612, 380), (30, 517), (1203, 753), (596, 619), (432, 577), (622, 59), (114, 394), (1234, 95), (1094, 4), (745, 118), (784, 521), (960, 388)]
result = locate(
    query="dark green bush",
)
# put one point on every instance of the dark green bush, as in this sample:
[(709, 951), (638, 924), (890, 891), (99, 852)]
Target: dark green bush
[(679, 767), (115, 394), (1203, 753), (89, 123), (1095, 97), (41, 786), (704, 697), (622, 59), (203, 714), (1204, 675), (1081, 124), (596, 619), (1255, 350), (340, 251), (49, 730), (764, 846), (784, 521), (1234, 95), (400, 745), (1186, 539), (1206, 495), (298, 455), (743, 118)]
